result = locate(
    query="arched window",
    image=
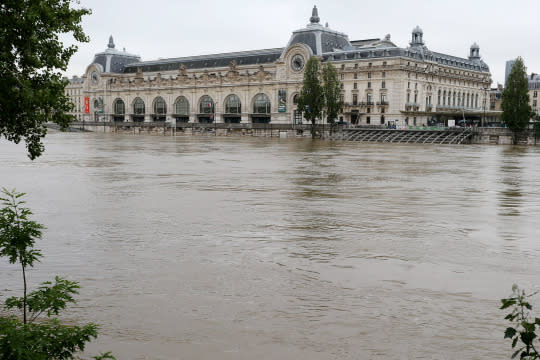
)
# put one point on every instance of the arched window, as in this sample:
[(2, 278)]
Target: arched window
[(160, 108), (206, 105), (468, 96), (295, 99), (232, 105), (261, 104), (476, 102), (119, 107), (454, 100), (138, 107), (182, 106)]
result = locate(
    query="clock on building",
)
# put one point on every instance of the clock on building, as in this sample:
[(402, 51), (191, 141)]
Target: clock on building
[(297, 62), (95, 77)]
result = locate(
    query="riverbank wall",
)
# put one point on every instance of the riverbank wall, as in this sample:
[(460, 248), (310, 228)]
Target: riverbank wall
[(488, 135)]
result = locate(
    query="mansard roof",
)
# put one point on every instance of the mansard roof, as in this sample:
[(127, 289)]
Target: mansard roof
[(375, 48), (113, 60), (320, 39), (254, 57)]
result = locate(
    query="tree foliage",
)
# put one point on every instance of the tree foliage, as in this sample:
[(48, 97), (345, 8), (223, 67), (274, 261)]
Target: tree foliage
[(32, 59), (515, 98), (332, 92), (311, 99), (34, 338), (523, 329)]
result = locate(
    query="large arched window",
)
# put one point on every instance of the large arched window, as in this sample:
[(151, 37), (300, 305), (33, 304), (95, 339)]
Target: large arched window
[(119, 107), (206, 105), (261, 104), (232, 105), (444, 98), (160, 108), (138, 107), (295, 99), (182, 106)]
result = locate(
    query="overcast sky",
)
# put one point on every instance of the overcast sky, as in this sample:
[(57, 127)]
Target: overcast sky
[(174, 28)]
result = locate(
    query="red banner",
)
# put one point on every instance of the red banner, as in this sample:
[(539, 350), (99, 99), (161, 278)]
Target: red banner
[(86, 105)]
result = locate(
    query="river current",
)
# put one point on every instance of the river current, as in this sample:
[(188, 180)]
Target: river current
[(259, 248)]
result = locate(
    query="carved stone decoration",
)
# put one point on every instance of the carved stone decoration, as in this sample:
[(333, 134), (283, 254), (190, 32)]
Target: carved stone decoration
[(205, 77), (233, 67), (183, 70), (139, 79), (262, 75)]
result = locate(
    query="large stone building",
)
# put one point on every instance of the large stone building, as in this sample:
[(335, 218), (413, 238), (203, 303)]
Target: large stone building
[(534, 90), (381, 83)]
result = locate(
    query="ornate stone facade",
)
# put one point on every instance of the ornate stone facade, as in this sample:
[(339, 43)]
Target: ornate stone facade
[(381, 83)]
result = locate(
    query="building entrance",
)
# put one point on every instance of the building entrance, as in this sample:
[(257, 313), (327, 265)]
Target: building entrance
[(260, 119), (206, 119), (232, 119)]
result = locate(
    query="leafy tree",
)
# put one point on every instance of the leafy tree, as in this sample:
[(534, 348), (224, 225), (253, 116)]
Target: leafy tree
[(332, 92), (524, 324), (311, 99), (515, 99), (31, 339), (32, 59)]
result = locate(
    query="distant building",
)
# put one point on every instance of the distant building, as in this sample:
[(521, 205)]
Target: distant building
[(534, 90), (507, 70), (381, 83)]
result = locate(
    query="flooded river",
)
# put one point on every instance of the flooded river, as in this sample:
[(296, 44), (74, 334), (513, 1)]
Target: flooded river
[(254, 248)]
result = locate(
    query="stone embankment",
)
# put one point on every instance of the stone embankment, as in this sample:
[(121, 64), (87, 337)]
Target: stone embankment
[(488, 135)]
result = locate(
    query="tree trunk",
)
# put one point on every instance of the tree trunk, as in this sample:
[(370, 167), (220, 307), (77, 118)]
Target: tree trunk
[(24, 295)]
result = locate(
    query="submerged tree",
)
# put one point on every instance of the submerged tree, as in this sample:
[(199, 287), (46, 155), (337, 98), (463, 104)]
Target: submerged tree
[(515, 99), (523, 329), (311, 99), (32, 59), (332, 92), (34, 338)]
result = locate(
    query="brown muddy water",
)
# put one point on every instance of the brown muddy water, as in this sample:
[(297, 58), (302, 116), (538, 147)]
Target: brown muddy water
[(253, 248)]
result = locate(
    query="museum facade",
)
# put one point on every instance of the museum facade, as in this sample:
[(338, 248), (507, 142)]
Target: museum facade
[(381, 83)]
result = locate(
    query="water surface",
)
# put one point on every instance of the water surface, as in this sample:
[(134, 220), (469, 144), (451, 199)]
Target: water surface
[(254, 248)]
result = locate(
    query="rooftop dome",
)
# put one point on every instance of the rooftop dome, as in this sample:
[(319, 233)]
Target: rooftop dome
[(113, 60), (417, 30), (475, 46), (319, 38)]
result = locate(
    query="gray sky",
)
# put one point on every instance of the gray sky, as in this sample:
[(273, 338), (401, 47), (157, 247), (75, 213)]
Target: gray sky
[(174, 28)]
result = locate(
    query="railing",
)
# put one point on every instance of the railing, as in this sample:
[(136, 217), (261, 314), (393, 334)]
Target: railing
[(383, 103)]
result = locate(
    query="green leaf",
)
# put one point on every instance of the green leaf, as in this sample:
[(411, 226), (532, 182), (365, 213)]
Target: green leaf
[(527, 337), (515, 342), (103, 356), (515, 353), (51, 298), (506, 303), (509, 333)]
